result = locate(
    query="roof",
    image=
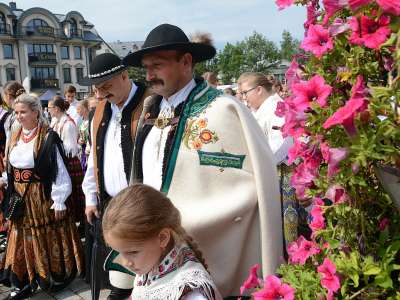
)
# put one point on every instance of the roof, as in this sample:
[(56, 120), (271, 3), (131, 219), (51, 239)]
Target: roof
[(90, 36), (122, 49)]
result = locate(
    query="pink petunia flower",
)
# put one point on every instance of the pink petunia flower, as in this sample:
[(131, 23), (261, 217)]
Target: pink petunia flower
[(337, 194), (293, 74), (317, 41), (390, 6), (333, 156), (329, 280), (252, 281), (300, 250), (346, 114), (383, 224), (333, 6), (302, 178), (296, 151), (337, 27), (318, 220), (283, 3), (294, 120), (368, 32), (312, 13), (356, 4), (274, 289), (313, 90), (359, 89)]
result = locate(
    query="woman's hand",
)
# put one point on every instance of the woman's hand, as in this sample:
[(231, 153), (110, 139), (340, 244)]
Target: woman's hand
[(60, 214)]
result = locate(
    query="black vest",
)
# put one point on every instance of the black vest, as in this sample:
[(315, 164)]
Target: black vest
[(126, 138)]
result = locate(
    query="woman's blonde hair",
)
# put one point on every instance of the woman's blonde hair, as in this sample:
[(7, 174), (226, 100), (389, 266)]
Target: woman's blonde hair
[(33, 103), (140, 212)]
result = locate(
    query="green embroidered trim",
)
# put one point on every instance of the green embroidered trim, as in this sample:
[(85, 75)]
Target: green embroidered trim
[(221, 159), (204, 101), (178, 138), (110, 265)]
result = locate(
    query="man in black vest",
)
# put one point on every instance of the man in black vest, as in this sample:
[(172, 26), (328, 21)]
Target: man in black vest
[(109, 163)]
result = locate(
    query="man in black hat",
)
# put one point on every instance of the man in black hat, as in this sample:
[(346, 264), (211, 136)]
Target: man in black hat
[(109, 163), (207, 152)]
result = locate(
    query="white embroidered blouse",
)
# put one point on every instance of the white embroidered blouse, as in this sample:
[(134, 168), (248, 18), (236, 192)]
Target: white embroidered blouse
[(178, 276), (21, 157)]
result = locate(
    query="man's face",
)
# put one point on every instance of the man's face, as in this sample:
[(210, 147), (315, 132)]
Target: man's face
[(166, 71), (70, 97), (112, 89)]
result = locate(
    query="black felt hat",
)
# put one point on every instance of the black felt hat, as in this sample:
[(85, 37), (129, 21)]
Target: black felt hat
[(169, 37), (102, 68)]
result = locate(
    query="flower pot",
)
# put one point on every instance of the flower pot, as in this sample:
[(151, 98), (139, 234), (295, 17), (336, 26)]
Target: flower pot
[(390, 180)]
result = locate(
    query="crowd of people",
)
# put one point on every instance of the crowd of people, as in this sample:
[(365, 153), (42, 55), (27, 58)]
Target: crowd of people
[(176, 187)]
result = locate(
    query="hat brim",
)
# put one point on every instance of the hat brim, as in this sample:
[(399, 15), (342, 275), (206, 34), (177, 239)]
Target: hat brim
[(86, 81), (200, 52)]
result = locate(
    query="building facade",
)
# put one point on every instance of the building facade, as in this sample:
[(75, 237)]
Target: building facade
[(119, 48), (45, 50)]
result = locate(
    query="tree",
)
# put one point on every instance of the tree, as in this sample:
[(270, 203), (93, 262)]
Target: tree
[(289, 46), (210, 65), (137, 74), (254, 54), (259, 53)]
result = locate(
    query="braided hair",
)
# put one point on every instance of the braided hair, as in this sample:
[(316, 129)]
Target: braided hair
[(140, 212)]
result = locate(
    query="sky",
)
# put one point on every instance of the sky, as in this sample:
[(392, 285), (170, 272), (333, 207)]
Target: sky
[(226, 20)]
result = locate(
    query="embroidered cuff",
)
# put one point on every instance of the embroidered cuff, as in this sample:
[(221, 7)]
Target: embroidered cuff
[(58, 206)]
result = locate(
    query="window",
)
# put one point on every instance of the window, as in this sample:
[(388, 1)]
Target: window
[(37, 23), (67, 75), (79, 74), (64, 52), (8, 51), (74, 28), (43, 73), (10, 74), (3, 26), (40, 48), (77, 52)]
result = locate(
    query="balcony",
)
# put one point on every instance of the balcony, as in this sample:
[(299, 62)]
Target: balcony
[(5, 29), (75, 34), (41, 31), (50, 83), (49, 58)]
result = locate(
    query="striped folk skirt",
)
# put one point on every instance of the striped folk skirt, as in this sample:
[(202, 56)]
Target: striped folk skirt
[(40, 249)]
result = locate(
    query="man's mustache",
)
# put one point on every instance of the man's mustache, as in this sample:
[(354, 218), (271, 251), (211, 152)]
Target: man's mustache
[(155, 81)]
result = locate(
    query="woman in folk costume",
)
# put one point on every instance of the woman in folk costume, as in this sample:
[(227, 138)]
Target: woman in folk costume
[(66, 128), (258, 91), (83, 137), (43, 244), (145, 228)]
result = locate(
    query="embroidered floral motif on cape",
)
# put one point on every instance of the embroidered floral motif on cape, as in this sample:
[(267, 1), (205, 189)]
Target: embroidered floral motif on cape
[(197, 134)]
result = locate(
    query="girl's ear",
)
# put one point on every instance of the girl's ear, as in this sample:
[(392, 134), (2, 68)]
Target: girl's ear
[(164, 237)]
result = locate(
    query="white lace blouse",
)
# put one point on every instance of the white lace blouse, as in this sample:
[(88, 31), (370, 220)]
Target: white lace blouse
[(21, 157)]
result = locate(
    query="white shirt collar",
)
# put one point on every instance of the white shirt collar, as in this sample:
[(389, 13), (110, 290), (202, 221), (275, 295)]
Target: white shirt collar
[(114, 107), (178, 97)]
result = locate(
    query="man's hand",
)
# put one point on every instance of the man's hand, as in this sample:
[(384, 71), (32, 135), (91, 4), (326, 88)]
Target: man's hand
[(91, 212)]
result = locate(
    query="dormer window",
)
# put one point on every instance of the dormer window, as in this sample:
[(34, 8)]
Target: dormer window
[(73, 28), (35, 23), (3, 27)]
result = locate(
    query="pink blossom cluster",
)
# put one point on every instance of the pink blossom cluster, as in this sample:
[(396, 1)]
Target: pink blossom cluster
[(329, 279), (268, 289)]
